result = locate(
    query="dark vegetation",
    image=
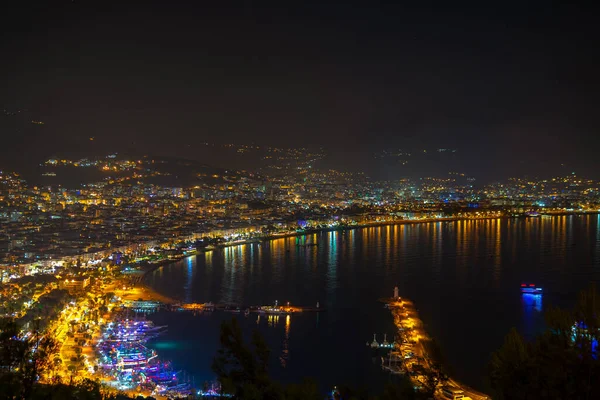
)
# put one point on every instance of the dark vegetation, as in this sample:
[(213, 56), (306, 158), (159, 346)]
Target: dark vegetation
[(23, 361), (561, 363), (242, 370)]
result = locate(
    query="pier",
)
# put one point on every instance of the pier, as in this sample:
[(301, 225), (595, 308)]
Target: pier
[(411, 351), (144, 299), (269, 310)]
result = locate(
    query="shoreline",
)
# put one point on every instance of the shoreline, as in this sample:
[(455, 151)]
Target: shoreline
[(153, 267), (341, 229), (376, 224), (143, 292), (147, 269)]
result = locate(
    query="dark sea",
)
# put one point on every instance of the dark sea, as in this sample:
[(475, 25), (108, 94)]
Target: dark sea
[(463, 278)]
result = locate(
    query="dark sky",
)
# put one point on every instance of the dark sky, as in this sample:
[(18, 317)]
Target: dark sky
[(514, 86)]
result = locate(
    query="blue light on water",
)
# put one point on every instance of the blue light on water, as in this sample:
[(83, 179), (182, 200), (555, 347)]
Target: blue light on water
[(532, 301)]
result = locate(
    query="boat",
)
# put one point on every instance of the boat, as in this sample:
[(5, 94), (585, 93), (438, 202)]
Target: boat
[(374, 344), (531, 289), (276, 310), (161, 374)]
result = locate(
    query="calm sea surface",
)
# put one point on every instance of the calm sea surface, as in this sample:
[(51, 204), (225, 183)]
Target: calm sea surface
[(463, 277)]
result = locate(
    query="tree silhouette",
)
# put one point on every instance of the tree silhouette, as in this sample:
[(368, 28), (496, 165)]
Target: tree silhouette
[(561, 363), (242, 370), (24, 359)]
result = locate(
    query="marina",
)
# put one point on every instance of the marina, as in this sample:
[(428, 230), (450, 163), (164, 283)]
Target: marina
[(125, 362), (130, 365)]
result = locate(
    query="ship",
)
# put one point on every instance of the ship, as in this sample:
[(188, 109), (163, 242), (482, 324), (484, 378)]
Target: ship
[(274, 310), (531, 289)]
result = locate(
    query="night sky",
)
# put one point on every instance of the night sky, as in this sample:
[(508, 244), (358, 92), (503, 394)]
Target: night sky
[(513, 87)]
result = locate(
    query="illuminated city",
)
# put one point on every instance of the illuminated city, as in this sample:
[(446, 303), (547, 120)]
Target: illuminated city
[(299, 201), (71, 256)]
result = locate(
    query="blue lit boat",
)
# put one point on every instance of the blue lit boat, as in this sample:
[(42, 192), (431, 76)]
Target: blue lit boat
[(531, 289)]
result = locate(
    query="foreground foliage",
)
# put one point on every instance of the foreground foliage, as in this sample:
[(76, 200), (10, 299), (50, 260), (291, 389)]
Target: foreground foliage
[(242, 370), (23, 360), (561, 363)]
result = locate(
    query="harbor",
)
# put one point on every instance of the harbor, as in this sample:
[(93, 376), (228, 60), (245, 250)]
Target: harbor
[(347, 272)]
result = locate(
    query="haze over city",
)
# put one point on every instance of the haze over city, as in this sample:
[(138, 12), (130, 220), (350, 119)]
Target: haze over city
[(511, 87)]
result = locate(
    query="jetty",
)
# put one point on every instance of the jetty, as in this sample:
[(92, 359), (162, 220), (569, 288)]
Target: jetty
[(411, 353), (143, 299)]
